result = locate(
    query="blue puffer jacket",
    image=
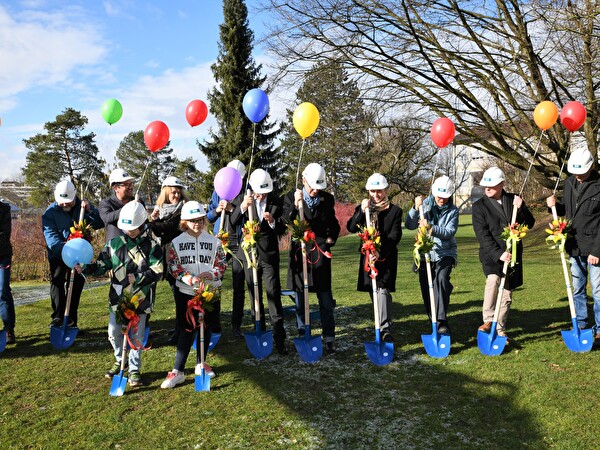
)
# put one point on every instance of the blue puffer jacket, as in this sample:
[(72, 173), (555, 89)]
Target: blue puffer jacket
[(443, 230), (56, 224)]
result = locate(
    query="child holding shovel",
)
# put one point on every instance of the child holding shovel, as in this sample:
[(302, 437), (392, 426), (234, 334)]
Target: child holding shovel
[(197, 262), (135, 259), (386, 219)]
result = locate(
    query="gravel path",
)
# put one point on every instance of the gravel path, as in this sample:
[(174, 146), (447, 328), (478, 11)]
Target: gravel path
[(24, 295)]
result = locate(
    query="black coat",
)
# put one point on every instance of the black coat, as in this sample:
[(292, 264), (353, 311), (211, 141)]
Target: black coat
[(489, 220), (390, 229), (268, 245), (325, 225), (584, 212)]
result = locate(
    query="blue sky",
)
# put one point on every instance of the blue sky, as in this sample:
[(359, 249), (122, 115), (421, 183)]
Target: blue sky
[(153, 56)]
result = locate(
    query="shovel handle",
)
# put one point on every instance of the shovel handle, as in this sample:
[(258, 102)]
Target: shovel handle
[(254, 271), (373, 279), (429, 276), (565, 268), (201, 343), (304, 270)]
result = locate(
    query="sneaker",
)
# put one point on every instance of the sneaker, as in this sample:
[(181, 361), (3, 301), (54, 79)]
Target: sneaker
[(329, 347), (443, 327), (114, 370), (486, 327), (135, 379), (207, 370), (172, 380), (10, 337), (387, 337)]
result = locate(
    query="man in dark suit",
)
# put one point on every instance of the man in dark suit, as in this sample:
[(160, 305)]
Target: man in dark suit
[(266, 209), (491, 214), (581, 205), (319, 212)]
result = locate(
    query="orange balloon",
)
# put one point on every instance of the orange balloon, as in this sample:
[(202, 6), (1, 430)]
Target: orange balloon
[(545, 114)]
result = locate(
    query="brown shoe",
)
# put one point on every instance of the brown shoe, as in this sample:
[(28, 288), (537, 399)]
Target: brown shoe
[(486, 327), (10, 337)]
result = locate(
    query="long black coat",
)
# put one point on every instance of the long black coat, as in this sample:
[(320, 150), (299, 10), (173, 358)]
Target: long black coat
[(268, 245), (585, 215), (325, 225), (489, 220), (390, 229)]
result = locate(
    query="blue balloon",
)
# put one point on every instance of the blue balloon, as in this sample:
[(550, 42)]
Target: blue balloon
[(256, 105), (77, 251)]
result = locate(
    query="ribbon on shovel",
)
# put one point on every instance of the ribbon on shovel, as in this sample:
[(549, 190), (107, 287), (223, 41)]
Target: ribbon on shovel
[(512, 234)]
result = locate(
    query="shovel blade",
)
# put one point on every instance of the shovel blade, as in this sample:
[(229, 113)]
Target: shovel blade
[(63, 337), (146, 337), (260, 343), (2, 340), (380, 353), (309, 348), (202, 381), (577, 340), (490, 344), (436, 345), (119, 383)]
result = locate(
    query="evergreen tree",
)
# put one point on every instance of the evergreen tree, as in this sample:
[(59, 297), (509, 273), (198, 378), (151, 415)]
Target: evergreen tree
[(133, 156), (63, 152), (236, 73), (342, 133)]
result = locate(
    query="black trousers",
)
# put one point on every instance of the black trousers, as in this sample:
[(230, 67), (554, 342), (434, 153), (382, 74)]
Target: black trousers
[(239, 295), (60, 281), (442, 288)]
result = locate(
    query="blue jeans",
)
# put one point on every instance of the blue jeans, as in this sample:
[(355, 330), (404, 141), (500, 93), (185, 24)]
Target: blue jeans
[(116, 338), (7, 304), (580, 270)]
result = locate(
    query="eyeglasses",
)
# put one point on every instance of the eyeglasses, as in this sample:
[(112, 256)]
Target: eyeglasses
[(126, 185), (201, 219)]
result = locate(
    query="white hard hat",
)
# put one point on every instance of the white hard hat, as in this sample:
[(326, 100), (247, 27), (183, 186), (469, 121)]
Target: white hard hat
[(261, 181), (442, 187), (492, 177), (132, 216), (118, 176), (192, 210), (65, 192), (172, 181), (580, 161), (314, 175), (239, 166), (376, 182)]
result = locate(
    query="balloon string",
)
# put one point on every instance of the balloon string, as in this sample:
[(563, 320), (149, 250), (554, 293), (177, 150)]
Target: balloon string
[(562, 166), (251, 155), (299, 160), (141, 179), (531, 163)]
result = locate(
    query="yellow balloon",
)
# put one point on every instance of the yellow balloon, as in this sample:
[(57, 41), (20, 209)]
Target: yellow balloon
[(545, 114), (306, 119)]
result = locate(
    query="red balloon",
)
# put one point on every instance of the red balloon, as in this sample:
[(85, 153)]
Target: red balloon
[(442, 132), (156, 135), (573, 115), (196, 112)]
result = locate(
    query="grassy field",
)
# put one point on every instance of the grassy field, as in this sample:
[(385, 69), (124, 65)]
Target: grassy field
[(537, 394)]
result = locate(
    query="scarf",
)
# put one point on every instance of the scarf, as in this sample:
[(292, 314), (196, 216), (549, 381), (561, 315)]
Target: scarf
[(375, 208), (168, 209), (311, 202), (437, 211)]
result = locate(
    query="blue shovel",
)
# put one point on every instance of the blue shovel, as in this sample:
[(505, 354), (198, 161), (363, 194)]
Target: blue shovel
[(260, 343), (214, 339), (2, 340), (119, 382), (380, 353), (62, 337), (201, 380), (309, 348), (577, 340)]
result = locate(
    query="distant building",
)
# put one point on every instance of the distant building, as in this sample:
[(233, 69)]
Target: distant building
[(15, 191)]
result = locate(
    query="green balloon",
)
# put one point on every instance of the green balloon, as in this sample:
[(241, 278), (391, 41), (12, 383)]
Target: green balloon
[(112, 111)]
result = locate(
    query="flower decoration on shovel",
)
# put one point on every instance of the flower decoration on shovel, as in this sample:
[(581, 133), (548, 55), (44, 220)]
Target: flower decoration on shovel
[(423, 243), (128, 317), (371, 244), (512, 234), (81, 229), (558, 230), (250, 237), (301, 232), (204, 300), (223, 236)]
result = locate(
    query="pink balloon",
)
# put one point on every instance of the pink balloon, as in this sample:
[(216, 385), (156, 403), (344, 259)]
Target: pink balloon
[(228, 183), (573, 115), (196, 112), (442, 132), (156, 135)]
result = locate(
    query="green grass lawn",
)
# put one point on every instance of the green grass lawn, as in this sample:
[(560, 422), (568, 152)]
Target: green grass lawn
[(537, 394)]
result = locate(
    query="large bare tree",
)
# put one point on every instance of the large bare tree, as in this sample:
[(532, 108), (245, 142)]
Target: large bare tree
[(484, 64)]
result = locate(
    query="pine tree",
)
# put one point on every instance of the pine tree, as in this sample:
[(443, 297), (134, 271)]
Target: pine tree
[(342, 133), (133, 156), (236, 73), (63, 152)]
